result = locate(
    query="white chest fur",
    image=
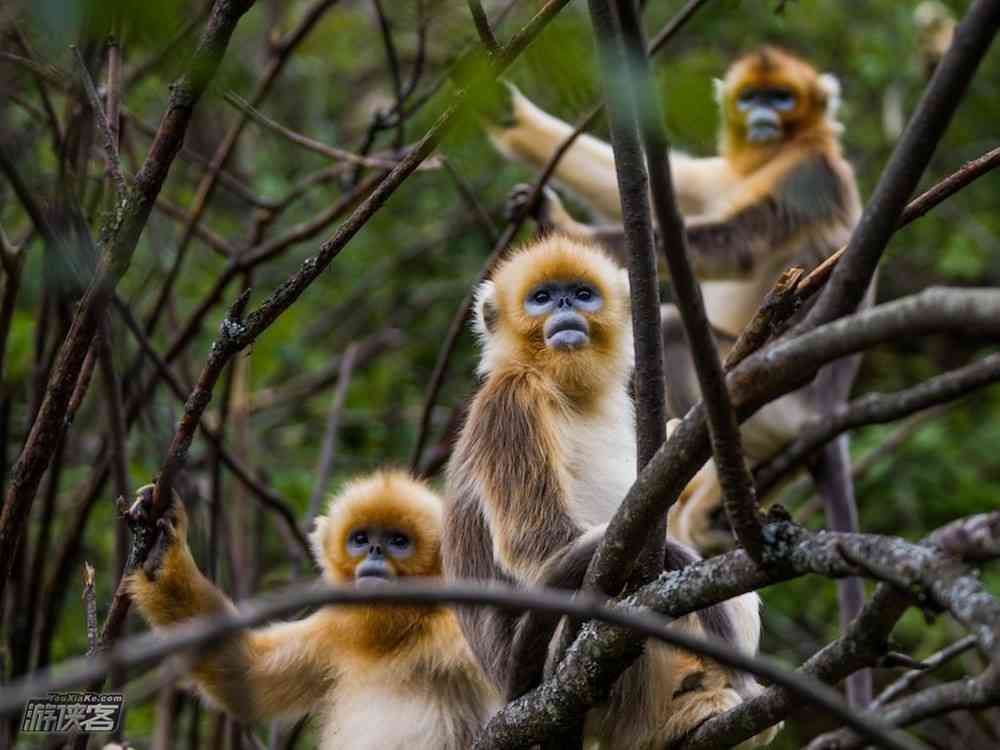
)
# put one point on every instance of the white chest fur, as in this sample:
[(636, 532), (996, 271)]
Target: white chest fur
[(602, 460)]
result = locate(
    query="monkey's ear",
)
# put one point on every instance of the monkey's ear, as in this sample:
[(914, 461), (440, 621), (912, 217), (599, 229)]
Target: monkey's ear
[(719, 91), (487, 313), (317, 540), (829, 86)]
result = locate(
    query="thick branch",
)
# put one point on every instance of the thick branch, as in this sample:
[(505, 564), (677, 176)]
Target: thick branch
[(601, 653)]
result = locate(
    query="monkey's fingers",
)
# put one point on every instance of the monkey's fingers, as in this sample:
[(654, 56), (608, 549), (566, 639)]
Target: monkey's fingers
[(137, 515), (519, 201)]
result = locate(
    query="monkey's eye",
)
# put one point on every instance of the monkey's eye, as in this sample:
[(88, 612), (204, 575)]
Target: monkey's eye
[(541, 297), (584, 295), (359, 538), (400, 541), (782, 100)]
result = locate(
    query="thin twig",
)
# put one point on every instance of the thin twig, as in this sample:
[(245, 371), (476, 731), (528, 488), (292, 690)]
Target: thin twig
[(877, 408), (110, 136), (330, 152), (329, 448), (90, 607), (483, 28)]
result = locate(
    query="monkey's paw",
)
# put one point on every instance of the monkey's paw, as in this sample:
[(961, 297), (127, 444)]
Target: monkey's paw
[(155, 539), (693, 705)]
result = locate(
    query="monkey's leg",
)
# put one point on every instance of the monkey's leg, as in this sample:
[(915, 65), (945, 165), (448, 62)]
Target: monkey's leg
[(831, 471)]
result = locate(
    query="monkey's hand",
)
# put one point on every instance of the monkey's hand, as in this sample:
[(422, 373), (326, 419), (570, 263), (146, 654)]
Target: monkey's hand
[(547, 211), (170, 530)]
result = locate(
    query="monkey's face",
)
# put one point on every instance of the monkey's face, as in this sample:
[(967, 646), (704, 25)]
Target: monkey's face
[(770, 96), (377, 551), (562, 307), (379, 528), (762, 108)]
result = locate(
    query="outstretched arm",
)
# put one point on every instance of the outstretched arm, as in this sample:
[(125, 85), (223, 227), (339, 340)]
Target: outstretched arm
[(280, 670), (772, 212), (587, 169)]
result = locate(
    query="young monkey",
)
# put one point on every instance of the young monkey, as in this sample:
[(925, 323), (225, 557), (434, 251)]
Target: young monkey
[(546, 456), (392, 678)]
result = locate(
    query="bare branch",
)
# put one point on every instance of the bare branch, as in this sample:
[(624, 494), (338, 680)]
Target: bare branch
[(150, 648), (330, 433), (115, 259), (110, 138), (875, 408), (483, 27), (944, 93)]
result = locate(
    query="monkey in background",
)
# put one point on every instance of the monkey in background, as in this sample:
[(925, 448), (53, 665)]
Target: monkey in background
[(780, 193), (935, 26), (387, 677), (545, 457)]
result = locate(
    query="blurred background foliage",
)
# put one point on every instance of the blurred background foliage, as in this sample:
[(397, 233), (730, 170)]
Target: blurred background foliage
[(408, 270)]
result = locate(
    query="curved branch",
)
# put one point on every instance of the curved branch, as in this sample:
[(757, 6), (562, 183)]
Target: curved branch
[(876, 408), (981, 692), (153, 647)]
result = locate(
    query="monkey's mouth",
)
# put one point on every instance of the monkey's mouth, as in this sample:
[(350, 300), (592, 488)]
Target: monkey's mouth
[(566, 332), (763, 132), (373, 578)]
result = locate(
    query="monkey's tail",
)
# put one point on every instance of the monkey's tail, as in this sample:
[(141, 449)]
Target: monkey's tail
[(831, 471)]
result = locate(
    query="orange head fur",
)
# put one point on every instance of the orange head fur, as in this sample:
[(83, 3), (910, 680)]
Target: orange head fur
[(511, 338), (391, 499), (811, 119)]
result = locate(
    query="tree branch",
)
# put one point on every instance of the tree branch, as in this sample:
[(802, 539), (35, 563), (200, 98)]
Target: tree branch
[(199, 632), (909, 159), (877, 408), (118, 246)]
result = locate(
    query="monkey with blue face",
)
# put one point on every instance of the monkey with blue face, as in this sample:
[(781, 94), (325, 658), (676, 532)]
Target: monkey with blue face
[(546, 456), (387, 677)]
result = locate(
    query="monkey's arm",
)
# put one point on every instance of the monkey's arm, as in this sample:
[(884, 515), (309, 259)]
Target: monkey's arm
[(507, 514), (280, 670), (588, 168), (772, 212), (516, 458)]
